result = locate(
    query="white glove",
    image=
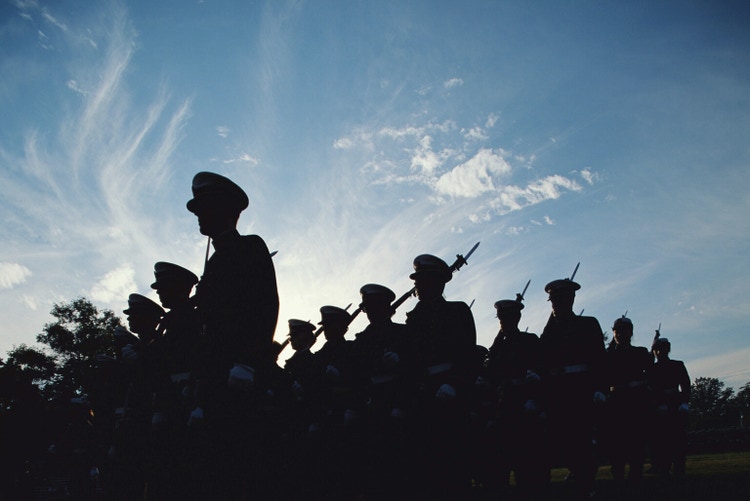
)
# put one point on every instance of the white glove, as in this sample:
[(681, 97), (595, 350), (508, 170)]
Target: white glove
[(532, 377), (196, 417), (391, 359), (129, 354), (158, 420), (332, 372), (241, 377), (599, 397), (683, 409), (446, 393)]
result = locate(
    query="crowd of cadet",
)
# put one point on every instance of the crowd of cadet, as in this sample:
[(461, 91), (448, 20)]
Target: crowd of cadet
[(202, 409)]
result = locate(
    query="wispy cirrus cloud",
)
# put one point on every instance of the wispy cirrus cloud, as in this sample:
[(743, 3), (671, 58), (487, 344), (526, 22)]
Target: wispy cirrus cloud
[(87, 191)]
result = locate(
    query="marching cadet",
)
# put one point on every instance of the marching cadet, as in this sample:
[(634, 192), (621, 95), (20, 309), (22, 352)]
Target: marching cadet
[(300, 371), (513, 365), (179, 349), (443, 339), (131, 462), (380, 359), (238, 303), (572, 349), (670, 385), (300, 366), (334, 404), (627, 402)]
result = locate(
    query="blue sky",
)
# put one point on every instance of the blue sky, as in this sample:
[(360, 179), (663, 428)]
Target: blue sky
[(614, 134)]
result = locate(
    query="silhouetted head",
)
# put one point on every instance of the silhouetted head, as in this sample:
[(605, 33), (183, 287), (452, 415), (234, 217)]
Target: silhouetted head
[(661, 348), (562, 294), (335, 322), (217, 201), (173, 283), (376, 302), (143, 314), (430, 276), (301, 334), (622, 331), (508, 313)]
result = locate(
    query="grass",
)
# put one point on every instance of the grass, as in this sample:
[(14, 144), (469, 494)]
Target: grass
[(709, 477)]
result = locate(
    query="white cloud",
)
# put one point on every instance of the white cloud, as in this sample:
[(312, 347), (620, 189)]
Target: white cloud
[(244, 157), (549, 220), (397, 133), (512, 198), (29, 301), (52, 20), (12, 274), (424, 159), (344, 143), (222, 131), (588, 176), (492, 119), (73, 85), (453, 82), (115, 285), (475, 176), (477, 134)]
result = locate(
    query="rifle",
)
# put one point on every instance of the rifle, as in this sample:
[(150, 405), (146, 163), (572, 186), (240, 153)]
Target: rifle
[(317, 333), (457, 264), (657, 334)]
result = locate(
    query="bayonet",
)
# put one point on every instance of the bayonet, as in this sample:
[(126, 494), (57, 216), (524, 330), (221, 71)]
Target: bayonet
[(574, 272), (519, 297), (461, 260)]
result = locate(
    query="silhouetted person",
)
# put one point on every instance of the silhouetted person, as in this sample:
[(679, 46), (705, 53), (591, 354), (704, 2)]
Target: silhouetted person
[(572, 353), (238, 304), (334, 404), (670, 384), (179, 350), (443, 337), (131, 455), (627, 402), (513, 365), (382, 360)]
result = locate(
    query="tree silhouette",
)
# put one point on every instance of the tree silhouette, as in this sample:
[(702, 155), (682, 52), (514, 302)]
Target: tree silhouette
[(73, 341), (711, 404)]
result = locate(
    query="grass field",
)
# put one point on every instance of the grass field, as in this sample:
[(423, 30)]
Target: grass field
[(709, 477)]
